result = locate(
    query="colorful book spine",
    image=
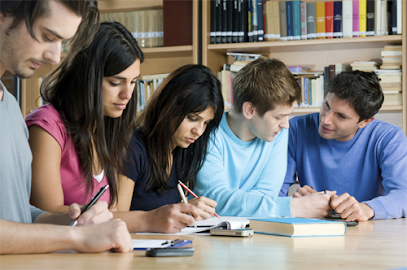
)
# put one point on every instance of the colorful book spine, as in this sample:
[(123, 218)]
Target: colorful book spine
[(347, 18), (370, 17), (260, 25), (337, 19), (283, 20), (355, 12), (249, 21), (290, 21), (311, 21), (362, 17), (296, 20), (255, 22), (329, 19), (320, 15), (303, 20), (276, 18)]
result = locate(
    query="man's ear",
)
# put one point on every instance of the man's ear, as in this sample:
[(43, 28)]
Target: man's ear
[(364, 123), (248, 110)]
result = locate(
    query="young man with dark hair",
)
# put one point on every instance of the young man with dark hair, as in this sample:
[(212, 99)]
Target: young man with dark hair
[(31, 33), (343, 148), (247, 159)]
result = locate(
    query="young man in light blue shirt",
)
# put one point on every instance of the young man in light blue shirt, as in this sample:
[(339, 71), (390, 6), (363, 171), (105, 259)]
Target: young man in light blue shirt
[(247, 159)]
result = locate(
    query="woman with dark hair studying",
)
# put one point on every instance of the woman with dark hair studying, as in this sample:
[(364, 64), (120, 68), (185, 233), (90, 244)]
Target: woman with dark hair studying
[(79, 140), (170, 144)]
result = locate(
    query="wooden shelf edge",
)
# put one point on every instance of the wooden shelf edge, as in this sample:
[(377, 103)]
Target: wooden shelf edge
[(106, 6), (266, 44), (186, 48)]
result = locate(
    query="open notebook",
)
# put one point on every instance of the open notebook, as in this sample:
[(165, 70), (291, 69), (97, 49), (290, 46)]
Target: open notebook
[(203, 226)]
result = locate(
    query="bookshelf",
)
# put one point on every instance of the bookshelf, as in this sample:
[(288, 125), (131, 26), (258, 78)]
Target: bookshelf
[(317, 52), (156, 60)]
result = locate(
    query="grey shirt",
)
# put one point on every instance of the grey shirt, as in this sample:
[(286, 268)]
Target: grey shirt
[(15, 164)]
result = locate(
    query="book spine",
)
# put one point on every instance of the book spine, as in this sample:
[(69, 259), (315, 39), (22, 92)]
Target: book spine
[(311, 21), (389, 29), (276, 19), (320, 15), (229, 24), (235, 25), (283, 20), (224, 17), (399, 18), (347, 18), (296, 20), (255, 23), (249, 21), (213, 22), (355, 9), (383, 19), (266, 21), (337, 19), (326, 80), (370, 17), (260, 25), (329, 19), (362, 18), (243, 33), (218, 7), (303, 20), (394, 18), (378, 15), (290, 28)]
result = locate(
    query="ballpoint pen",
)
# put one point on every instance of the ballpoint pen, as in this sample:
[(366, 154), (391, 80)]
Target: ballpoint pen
[(92, 202), (193, 194)]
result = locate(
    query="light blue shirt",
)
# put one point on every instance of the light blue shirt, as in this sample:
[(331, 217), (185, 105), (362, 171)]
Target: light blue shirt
[(244, 178)]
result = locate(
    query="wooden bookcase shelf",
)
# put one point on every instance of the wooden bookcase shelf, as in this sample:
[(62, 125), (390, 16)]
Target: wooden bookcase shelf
[(156, 60), (317, 53)]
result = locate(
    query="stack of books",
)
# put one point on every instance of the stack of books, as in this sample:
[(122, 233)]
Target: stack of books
[(390, 82), (367, 66), (146, 87), (392, 57)]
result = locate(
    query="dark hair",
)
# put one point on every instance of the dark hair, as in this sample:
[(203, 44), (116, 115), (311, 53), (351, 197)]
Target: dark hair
[(189, 89), (30, 11), (361, 90), (75, 90), (265, 83)]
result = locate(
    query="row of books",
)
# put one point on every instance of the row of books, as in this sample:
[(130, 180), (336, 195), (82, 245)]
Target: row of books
[(145, 25), (235, 21), (146, 87)]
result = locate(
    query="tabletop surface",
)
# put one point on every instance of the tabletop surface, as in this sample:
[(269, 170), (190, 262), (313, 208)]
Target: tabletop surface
[(378, 244)]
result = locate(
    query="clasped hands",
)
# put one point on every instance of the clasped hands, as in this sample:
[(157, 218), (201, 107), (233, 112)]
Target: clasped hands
[(345, 205)]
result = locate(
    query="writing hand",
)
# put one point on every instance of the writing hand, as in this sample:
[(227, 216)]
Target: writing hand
[(205, 206), (98, 213)]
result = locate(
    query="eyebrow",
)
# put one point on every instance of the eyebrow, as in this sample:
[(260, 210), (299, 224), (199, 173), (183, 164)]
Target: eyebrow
[(54, 33), (197, 115), (122, 78)]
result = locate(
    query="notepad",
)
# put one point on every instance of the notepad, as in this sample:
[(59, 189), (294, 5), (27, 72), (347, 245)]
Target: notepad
[(297, 227), (142, 244)]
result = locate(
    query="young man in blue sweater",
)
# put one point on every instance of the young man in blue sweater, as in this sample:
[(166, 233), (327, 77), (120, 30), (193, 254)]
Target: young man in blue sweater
[(247, 159), (343, 148)]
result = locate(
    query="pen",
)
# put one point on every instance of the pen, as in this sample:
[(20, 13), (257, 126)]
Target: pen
[(193, 194), (182, 193), (92, 202)]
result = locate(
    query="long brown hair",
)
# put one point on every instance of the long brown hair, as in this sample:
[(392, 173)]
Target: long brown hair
[(189, 89), (75, 91)]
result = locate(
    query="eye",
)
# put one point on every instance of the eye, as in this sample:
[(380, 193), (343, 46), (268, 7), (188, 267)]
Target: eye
[(191, 118), (46, 38), (114, 84)]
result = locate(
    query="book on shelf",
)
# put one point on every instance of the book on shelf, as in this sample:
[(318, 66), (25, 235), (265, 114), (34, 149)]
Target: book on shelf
[(338, 19), (177, 21), (355, 21), (392, 98), (329, 19), (364, 65), (146, 87), (362, 18), (290, 21), (213, 21), (320, 19), (298, 227), (391, 86), (340, 67), (236, 16), (229, 19), (347, 19), (296, 20), (283, 20), (311, 21), (260, 23), (370, 17), (255, 23), (303, 20)]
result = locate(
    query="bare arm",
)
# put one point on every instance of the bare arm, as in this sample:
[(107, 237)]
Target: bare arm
[(42, 238), (46, 189), (165, 219)]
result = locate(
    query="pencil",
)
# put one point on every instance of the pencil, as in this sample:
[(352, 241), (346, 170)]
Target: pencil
[(193, 194)]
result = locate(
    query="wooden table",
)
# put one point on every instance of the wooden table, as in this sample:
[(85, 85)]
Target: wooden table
[(371, 245)]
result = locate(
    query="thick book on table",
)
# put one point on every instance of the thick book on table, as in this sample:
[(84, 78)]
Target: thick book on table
[(298, 227)]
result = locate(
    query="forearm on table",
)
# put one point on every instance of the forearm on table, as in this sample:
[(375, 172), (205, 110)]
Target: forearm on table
[(135, 220)]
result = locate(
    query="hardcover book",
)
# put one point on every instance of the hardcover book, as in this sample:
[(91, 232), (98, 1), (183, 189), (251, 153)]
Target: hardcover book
[(296, 20), (283, 21), (303, 20), (329, 19), (177, 21), (347, 18), (370, 17), (298, 227), (337, 19), (355, 22), (311, 21), (320, 15), (362, 18), (290, 20)]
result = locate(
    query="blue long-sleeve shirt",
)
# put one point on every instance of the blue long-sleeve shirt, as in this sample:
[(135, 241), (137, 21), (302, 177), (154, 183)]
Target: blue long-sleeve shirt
[(372, 166), (245, 177)]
